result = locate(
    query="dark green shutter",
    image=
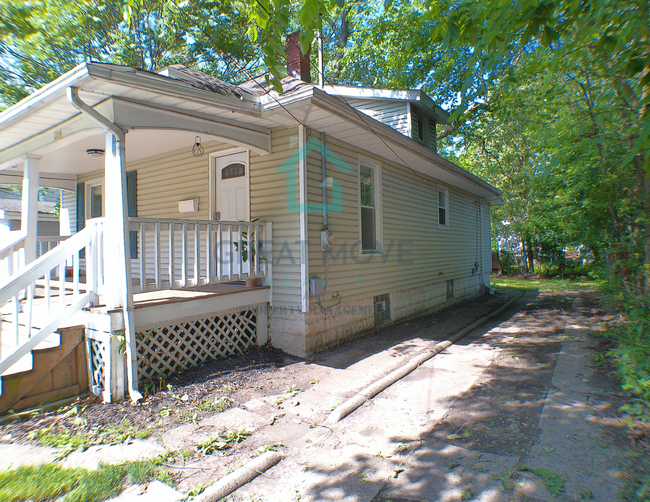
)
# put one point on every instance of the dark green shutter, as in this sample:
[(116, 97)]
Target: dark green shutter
[(132, 204), (81, 206)]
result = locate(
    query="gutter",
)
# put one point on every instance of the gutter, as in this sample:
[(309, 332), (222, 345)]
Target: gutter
[(43, 97), (149, 83), (335, 106)]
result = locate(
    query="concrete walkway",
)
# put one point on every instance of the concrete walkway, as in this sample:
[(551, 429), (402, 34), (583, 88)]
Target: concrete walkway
[(453, 429), (511, 412)]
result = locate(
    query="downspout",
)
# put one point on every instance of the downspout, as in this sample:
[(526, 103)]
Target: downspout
[(487, 286), (126, 298), (323, 156)]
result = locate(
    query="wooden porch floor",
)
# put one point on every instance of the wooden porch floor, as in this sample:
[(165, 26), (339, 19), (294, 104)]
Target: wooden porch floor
[(156, 298)]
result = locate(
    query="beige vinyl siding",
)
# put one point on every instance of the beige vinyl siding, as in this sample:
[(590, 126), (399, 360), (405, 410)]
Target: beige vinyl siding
[(165, 179), (393, 113), (269, 203), (68, 213), (415, 251)]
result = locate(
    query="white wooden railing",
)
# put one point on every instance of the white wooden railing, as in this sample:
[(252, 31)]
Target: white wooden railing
[(55, 287), (174, 254), (47, 243), (12, 256)]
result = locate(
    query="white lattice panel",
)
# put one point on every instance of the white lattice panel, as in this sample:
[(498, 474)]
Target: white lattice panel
[(167, 350), (97, 365)]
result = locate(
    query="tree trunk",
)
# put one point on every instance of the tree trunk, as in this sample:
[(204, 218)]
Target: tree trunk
[(341, 43), (529, 256)]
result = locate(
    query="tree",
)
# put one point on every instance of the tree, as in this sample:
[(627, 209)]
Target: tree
[(42, 39)]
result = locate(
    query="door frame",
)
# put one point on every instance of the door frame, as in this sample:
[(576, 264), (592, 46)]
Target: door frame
[(213, 178)]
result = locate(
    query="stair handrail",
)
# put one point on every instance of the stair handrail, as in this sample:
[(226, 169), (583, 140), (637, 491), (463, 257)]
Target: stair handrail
[(36, 269), (8, 248)]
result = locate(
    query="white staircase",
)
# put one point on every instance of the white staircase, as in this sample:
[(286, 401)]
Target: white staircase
[(37, 299)]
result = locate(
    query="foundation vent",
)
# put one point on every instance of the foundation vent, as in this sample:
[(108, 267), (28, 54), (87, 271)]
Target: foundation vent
[(450, 289), (382, 309)]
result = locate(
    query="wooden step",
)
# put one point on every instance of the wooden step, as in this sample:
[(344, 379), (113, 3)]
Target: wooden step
[(57, 371)]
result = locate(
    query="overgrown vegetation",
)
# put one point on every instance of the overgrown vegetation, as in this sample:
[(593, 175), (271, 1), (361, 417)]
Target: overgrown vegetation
[(49, 481), (68, 441), (632, 356), (222, 441)]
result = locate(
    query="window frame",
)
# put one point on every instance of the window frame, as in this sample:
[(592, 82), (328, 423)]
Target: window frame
[(445, 191), (377, 180), (89, 186)]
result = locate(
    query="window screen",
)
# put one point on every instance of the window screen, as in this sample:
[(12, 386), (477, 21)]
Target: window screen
[(368, 209), (442, 207)]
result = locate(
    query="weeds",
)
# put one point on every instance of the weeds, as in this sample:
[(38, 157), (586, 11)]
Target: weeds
[(553, 483), (292, 391), (222, 441), (196, 490), (67, 441), (219, 405)]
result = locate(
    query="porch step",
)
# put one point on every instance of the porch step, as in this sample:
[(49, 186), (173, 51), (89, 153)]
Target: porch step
[(8, 345), (55, 372)]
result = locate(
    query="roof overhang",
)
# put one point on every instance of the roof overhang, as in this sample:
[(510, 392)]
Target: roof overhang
[(134, 99), (322, 111), (413, 96)]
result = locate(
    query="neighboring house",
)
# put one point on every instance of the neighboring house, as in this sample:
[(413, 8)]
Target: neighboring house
[(496, 264), (333, 198), (10, 212)]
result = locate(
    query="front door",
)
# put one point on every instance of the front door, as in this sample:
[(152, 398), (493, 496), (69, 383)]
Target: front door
[(231, 190)]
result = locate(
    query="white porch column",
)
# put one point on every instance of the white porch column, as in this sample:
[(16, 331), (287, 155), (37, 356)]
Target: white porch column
[(117, 260), (29, 214)]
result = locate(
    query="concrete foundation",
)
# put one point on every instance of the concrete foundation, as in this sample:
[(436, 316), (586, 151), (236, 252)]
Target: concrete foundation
[(303, 333)]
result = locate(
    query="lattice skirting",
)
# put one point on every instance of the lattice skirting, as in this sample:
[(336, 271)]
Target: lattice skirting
[(97, 356), (166, 350)]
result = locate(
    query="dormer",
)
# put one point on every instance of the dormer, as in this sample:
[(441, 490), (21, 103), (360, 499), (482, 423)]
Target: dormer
[(411, 112)]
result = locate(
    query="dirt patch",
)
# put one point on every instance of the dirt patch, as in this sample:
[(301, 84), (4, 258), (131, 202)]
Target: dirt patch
[(186, 398)]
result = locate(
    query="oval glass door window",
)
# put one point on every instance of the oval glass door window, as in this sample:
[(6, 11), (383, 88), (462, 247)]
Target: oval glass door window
[(235, 170)]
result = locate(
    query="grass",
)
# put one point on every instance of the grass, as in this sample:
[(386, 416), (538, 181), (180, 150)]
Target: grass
[(553, 483), (67, 441), (49, 481), (544, 284)]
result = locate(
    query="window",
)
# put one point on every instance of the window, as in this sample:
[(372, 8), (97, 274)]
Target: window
[(369, 207), (443, 203), (420, 130), (95, 203)]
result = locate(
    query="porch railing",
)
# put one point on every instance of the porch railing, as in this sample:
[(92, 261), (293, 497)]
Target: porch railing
[(38, 299), (47, 243), (11, 254), (175, 254)]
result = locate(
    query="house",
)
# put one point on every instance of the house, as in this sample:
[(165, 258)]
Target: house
[(208, 216), (496, 264), (11, 211)]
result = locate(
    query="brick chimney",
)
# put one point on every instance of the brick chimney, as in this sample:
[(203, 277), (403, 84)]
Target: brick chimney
[(297, 63)]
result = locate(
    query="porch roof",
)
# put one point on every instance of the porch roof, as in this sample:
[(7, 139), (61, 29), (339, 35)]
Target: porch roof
[(159, 114)]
